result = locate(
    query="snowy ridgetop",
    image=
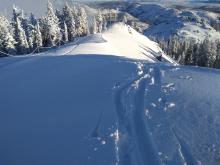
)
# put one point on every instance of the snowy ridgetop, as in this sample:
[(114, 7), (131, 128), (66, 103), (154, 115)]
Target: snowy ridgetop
[(119, 40)]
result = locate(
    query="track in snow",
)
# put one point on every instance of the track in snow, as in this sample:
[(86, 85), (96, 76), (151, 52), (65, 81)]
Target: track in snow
[(136, 145), (135, 139)]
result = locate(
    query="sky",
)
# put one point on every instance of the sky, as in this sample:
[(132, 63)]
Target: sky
[(38, 7)]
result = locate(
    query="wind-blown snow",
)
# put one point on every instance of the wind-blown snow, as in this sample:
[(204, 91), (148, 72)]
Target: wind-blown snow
[(61, 107)]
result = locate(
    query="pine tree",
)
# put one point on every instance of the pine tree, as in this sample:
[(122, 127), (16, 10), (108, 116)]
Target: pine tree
[(38, 41), (51, 27), (99, 22), (30, 31), (208, 53), (82, 22), (213, 54), (33, 20), (60, 17), (110, 16), (94, 28), (203, 59), (65, 33), (21, 39), (217, 61), (69, 18), (196, 53), (16, 14), (34, 33), (7, 42), (105, 26), (75, 12), (27, 27), (188, 60), (88, 29)]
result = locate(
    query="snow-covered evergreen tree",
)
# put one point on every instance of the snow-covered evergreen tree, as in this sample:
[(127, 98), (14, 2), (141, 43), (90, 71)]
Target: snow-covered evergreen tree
[(7, 42), (16, 14), (105, 23), (52, 31), (207, 57), (34, 33), (105, 26), (74, 11), (22, 46), (94, 27), (69, 18), (188, 60), (59, 15), (99, 22), (213, 53), (38, 41), (217, 61), (33, 20), (88, 29), (21, 39), (196, 53), (30, 30), (65, 33), (82, 22), (110, 16)]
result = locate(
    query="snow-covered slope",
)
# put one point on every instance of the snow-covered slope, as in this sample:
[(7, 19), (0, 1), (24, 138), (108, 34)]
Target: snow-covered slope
[(101, 109), (186, 24), (119, 40)]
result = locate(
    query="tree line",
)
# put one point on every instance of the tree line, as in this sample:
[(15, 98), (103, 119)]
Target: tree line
[(190, 52), (23, 34)]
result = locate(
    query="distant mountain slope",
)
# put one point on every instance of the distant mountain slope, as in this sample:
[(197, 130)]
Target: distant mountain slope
[(166, 22)]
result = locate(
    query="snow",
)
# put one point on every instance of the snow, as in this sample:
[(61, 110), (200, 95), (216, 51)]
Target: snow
[(132, 44), (75, 105), (166, 22)]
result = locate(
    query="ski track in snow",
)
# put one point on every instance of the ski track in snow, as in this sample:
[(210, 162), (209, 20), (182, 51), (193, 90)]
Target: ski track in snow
[(133, 102), (135, 139)]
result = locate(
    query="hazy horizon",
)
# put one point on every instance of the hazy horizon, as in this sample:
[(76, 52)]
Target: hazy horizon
[(38, 7)]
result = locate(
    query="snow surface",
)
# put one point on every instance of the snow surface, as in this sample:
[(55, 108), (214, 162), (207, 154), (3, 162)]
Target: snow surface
[(100, 109)]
